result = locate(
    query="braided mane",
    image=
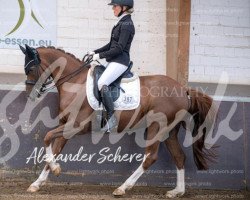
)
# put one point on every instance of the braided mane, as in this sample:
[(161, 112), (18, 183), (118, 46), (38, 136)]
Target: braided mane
[(61, 50)]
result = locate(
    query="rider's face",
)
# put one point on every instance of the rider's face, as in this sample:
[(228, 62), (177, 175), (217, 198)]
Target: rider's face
[(117, 9)]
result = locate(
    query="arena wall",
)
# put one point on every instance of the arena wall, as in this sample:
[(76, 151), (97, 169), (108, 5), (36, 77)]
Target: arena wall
[(24, 125)]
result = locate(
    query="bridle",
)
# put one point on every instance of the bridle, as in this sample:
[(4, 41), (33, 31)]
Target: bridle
[(42, 88), (36, 64)]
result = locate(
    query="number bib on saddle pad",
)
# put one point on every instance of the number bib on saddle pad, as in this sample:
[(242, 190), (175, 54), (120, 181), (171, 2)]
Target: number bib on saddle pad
[(127, 101)]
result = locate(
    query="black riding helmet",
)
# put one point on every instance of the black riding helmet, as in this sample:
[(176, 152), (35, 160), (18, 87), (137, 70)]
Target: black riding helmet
[(129, 3)]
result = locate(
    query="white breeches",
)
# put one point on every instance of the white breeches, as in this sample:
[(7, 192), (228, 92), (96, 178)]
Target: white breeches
[(112, 72)]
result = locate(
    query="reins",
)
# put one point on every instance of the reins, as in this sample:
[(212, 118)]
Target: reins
[(66, 77)]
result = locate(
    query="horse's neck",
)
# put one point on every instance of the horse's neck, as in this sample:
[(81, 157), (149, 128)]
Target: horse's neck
[(62, 66)]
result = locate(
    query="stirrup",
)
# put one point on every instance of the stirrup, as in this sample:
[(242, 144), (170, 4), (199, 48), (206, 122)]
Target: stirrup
[(110, 125)]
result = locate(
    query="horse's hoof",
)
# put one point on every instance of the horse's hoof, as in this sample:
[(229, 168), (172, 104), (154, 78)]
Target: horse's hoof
[(57, 170), (174, 194), (118, 193), (32, 189)]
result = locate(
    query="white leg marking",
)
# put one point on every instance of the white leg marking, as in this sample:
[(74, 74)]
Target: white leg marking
[(50, 159), (130, 182), (180, 186), (49, 154), (35, 186), (180, 179)]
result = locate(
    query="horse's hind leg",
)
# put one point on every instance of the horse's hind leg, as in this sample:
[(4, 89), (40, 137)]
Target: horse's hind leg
[(178, 156), (57, 148), (151, 156)]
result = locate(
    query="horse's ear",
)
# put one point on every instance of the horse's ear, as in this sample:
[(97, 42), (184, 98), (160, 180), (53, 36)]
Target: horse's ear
[(29, 50), (22, 49)]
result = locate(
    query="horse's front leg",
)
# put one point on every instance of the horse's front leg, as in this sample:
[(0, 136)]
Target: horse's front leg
[(35, 186), (57, 148), (51, 153)]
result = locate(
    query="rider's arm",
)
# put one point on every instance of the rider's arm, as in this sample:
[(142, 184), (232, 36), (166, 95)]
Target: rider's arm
[(119, 46), (102, 49)]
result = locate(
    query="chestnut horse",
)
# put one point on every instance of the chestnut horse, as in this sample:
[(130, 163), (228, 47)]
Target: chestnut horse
[(157, 96)]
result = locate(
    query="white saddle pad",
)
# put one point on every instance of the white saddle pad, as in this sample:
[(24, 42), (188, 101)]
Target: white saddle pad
[(127, 101)]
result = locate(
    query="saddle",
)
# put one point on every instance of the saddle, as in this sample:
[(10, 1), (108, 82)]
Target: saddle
[(115, 86)]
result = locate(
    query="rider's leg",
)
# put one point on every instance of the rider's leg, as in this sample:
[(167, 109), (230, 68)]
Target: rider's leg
[(112, 72), (109, 106)]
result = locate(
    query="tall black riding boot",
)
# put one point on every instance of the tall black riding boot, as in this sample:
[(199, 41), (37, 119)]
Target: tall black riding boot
[(109, 106)]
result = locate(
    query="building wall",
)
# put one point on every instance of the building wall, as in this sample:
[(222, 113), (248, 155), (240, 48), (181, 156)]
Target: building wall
[(23, 129), (86, 25), (220, 37), (220, 41)]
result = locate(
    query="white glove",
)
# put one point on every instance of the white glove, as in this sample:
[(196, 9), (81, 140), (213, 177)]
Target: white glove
[(96, 57), (91, 53)]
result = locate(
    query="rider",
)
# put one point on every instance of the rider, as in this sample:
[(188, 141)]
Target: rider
[(116, 53)]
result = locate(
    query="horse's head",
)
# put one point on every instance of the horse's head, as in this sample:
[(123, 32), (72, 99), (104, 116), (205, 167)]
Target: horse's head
[(31, 68), (47, 64)]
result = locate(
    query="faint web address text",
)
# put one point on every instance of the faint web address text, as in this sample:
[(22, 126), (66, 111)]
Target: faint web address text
[(19, 41)]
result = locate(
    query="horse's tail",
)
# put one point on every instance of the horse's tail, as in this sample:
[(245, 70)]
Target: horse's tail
[(204, 115)]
